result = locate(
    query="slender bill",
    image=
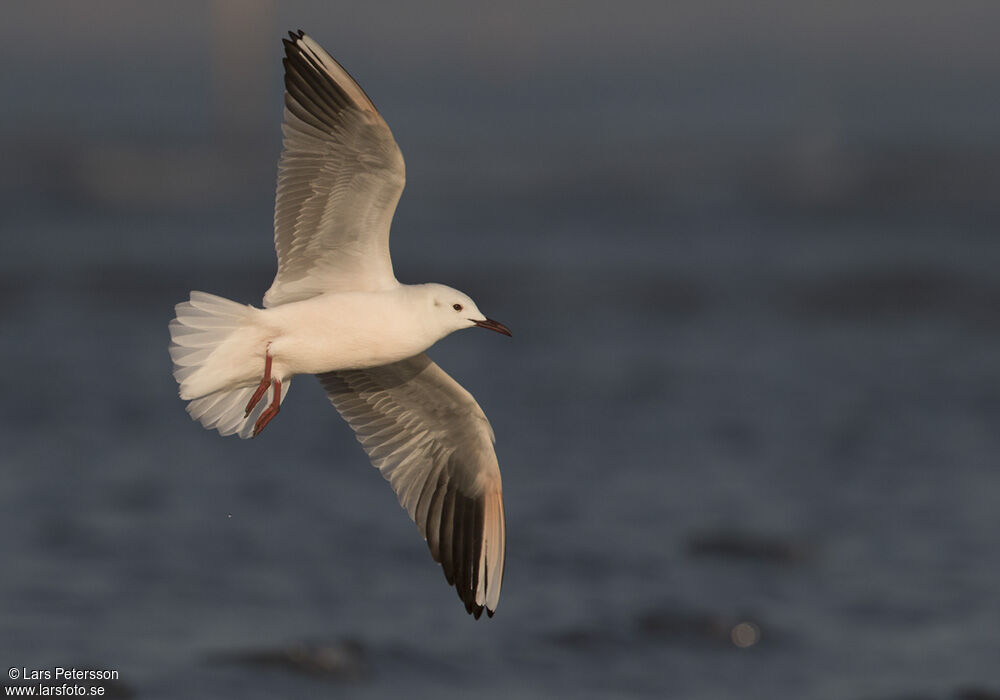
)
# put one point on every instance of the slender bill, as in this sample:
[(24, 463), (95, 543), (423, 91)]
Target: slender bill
[(492, 325)]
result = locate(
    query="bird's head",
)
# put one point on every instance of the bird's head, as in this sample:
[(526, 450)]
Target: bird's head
[(454, 311)]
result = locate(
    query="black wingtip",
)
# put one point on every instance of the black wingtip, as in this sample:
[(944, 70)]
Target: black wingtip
[(294, 48), (489, 613)]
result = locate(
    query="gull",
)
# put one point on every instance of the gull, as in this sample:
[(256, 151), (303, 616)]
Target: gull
[(336, 310)]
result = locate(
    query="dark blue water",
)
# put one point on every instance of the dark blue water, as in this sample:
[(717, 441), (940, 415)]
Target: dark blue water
[(753, 387)]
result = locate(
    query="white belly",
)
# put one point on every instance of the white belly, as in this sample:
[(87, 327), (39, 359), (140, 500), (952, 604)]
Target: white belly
[(341, 331)]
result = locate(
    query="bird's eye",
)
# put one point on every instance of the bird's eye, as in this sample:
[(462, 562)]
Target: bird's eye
[(457, 307)]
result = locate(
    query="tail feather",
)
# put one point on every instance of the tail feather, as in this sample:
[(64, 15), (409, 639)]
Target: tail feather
[(211, 342), (224, 410)]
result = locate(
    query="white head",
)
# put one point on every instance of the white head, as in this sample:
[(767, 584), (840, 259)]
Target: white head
[(452, 310)]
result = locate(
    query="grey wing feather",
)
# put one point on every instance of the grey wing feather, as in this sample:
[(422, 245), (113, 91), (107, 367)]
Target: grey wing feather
[(432, 442), (340, 177)]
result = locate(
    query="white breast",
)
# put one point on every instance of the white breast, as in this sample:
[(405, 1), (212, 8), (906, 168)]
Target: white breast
[(349, 330)]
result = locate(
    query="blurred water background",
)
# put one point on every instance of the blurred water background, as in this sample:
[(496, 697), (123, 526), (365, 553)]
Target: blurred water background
[(748, 421)]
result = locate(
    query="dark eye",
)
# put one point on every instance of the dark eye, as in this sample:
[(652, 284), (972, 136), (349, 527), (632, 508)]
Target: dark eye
[(457, 307)]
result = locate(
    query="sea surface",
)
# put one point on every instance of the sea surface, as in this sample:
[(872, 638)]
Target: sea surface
[(748, 423)]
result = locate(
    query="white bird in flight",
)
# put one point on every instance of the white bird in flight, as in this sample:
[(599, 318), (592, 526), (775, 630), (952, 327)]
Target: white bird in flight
[(336, 310)]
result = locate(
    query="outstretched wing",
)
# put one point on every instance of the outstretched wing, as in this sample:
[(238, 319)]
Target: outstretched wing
[(432, 442), (339, 179)]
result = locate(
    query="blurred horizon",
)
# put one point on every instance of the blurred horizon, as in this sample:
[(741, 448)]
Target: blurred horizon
[(781, 85)]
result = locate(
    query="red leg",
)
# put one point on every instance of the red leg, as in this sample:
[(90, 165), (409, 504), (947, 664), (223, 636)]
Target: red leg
[(262, 388), (269, 412)]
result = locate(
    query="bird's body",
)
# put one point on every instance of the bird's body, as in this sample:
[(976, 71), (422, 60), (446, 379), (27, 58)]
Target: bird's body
[(324, 333), (351, 330), (336, 310)]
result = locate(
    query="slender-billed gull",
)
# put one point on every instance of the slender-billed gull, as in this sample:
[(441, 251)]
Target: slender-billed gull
[(336, 310)]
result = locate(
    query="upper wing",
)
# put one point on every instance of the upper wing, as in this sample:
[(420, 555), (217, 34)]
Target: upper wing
[(432, 442), (339, 179)]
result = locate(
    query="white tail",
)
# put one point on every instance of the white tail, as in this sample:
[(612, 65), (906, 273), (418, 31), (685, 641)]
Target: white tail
[(217, 353)]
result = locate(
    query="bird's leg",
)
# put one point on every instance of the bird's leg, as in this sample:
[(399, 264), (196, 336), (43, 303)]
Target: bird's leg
[(269, 412), (262, 388)]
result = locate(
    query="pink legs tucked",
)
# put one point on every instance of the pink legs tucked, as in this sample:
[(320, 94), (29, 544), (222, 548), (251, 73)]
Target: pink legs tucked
[(264, 384), (272, 410), (269, 412)]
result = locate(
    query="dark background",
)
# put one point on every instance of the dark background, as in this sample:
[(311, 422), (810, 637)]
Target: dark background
[(749, 258)]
